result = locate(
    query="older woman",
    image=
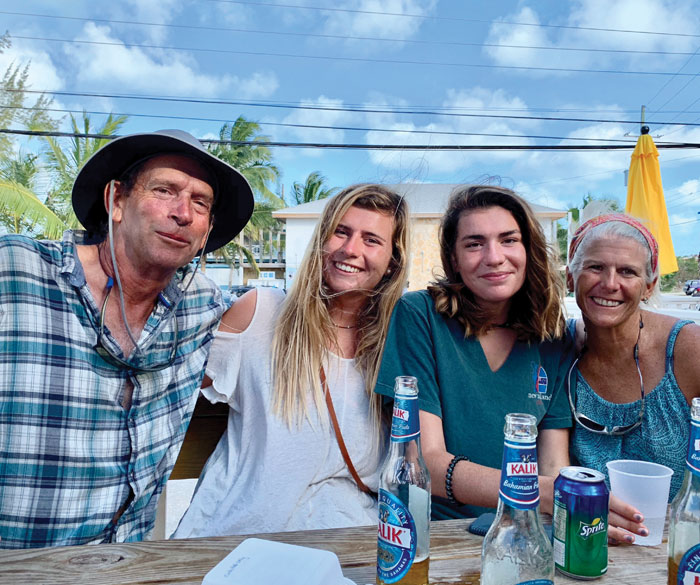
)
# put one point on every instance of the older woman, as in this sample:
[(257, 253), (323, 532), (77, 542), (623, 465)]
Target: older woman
[(637, 370), (483, 341), (286, 365)]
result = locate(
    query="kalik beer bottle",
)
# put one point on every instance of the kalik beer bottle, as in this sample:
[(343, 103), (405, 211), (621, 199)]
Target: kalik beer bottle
[(403, 545), (516, 550), (684, 523)]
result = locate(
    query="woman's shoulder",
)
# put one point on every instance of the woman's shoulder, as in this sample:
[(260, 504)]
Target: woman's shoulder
[(418, 300), (666, 328), (259, 301)]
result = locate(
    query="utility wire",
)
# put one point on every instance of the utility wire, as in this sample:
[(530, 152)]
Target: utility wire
[(267, 104), (323, 127), (609, 172), (455, 18), (354, 59), (341, 37), (684, 222), (671, 79), (404, 147)]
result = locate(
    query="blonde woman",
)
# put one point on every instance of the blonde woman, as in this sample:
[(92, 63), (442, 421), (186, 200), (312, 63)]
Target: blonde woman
[(279, 467)]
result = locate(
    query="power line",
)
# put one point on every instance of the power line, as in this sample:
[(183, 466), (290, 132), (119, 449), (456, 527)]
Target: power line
[(684, 222), (610, 172), (675, 95), (346, 146), (367, 110), (356, 59), (342, 37), (686, 199), (456, 19), (324, 127)]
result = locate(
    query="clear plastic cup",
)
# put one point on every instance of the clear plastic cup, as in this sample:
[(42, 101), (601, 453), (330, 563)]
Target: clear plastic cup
[(645, 486)]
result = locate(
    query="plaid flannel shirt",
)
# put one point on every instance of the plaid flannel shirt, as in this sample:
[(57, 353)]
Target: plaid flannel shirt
[(70, 454)]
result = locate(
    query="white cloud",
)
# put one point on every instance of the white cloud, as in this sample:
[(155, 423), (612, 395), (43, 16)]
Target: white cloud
[(317, 117), (675, 16), (474, 128), (153, 11), (513, 38), (162, 72), (43, 74), (389, 23), (231, 14), (690, 187)]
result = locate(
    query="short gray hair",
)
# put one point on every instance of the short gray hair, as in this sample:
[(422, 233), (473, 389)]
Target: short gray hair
[(612, 229)]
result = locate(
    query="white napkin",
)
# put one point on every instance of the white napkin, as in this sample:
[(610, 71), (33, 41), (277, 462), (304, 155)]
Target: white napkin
[(265, 562)]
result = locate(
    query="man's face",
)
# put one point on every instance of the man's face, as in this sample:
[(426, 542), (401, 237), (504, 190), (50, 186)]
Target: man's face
[(165, 219)]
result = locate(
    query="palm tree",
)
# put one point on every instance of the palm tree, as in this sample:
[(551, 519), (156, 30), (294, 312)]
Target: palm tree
[(13, 103), (64, 163), (241, 150), (22, 212), (313, 189), (260, 221)]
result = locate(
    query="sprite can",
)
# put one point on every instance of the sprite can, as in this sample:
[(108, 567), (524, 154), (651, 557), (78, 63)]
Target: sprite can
[(580, 523)]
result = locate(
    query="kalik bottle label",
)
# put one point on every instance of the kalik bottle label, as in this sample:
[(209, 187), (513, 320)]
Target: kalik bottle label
[(519, 482), (405, 425), (693, 459), (396, 538), (689, 567)]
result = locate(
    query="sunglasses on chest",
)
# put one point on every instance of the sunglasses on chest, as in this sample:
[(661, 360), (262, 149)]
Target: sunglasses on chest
[(595, 427)]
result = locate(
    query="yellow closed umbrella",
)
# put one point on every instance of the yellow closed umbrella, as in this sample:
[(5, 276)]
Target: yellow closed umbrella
[(645, 198)]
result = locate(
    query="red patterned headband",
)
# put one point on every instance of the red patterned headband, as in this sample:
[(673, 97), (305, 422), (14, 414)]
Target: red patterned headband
[(621, 217)]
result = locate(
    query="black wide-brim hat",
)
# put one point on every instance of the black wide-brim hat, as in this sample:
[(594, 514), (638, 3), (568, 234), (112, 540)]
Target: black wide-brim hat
[(233, 196)]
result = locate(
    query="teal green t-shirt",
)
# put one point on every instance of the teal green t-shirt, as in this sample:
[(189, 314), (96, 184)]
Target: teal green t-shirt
[(456, 383)]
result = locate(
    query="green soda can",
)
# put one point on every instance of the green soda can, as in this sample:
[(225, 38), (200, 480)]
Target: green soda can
[(580, 523)]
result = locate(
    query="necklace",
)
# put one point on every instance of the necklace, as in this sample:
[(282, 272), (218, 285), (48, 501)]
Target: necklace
[(344, 326)]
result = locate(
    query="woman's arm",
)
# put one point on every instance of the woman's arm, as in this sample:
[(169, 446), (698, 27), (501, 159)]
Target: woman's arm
[(472, 484), (236, 319), (624, 520), (478, 485), (686, 365), (552, 455), (239, 315)]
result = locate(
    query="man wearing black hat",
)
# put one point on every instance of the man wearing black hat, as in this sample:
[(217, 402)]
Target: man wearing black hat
[(104, 339)]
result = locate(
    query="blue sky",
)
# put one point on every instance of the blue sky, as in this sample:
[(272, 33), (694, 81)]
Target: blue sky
[(409, 61)]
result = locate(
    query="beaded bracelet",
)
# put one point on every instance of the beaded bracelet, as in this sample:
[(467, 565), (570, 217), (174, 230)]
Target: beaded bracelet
[(448, 477)]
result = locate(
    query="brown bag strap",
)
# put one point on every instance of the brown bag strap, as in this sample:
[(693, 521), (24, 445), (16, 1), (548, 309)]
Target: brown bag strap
[(339, 435)]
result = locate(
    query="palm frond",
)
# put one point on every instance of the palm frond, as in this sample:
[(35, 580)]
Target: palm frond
[(20, 202)]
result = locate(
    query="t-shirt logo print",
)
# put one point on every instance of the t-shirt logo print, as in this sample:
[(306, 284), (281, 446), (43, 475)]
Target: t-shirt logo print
[(540, 382)]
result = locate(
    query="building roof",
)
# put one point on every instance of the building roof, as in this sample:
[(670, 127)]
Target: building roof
[(425, 200)]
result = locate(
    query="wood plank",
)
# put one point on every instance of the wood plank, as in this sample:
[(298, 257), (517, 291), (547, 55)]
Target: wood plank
[(206, 427), (455, 558)]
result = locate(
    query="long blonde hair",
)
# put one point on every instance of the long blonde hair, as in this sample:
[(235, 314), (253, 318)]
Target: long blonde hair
[(304, 327), (536, 312)]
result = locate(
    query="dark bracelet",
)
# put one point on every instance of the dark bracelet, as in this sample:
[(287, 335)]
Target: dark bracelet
[(448, 478)]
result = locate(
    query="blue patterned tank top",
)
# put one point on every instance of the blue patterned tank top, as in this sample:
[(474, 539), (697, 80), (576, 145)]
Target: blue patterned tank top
[(662, 437)]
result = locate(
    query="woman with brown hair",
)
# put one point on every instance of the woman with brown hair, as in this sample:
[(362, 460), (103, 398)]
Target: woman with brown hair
[(286, 364), (483, 341)]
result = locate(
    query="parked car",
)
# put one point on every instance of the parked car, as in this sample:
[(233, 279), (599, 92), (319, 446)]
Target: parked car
[(238, 290), (691, 286)]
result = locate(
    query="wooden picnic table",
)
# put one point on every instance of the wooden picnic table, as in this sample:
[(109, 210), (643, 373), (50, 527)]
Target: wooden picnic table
[(454, 558)]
